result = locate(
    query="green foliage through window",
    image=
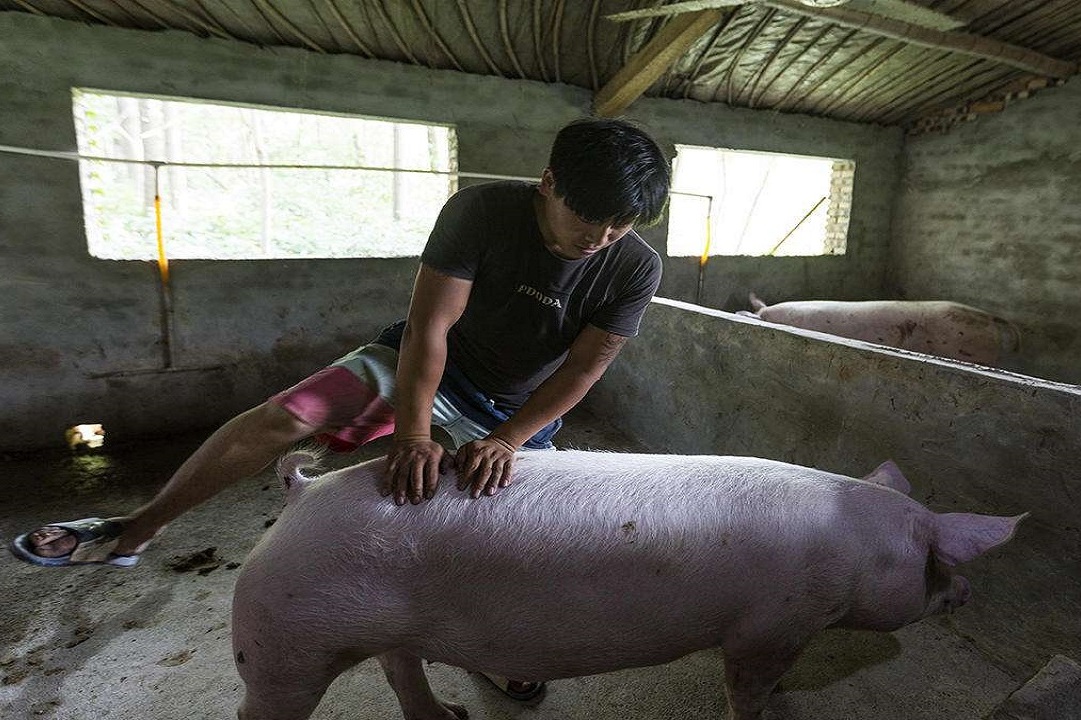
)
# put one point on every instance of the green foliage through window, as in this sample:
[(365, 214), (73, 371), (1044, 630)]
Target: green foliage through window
[(311, 202)]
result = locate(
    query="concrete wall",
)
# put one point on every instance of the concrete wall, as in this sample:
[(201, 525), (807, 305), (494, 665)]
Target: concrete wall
[(990, 214), (81, 336), (972, 439)]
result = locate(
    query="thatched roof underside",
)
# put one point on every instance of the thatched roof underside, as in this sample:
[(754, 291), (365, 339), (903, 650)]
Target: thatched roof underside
[(774, 55)]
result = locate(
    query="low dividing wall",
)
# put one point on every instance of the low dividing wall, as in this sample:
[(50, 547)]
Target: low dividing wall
[(704, 381)]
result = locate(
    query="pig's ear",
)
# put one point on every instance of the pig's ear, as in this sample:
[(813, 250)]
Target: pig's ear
[(756, 303), (889, 474), (960, 537)]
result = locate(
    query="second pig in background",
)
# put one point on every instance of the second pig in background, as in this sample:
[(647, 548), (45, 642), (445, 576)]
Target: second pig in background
[(935, 327)]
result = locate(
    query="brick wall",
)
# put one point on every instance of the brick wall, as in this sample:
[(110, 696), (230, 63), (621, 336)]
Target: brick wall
[(989, 214)]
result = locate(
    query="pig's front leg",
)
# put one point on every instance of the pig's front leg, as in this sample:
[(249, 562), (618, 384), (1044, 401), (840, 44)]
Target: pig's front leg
[(405, 673), (751, 676)]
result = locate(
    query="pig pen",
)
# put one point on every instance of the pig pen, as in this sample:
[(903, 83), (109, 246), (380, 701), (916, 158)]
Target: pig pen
[(153, 642)]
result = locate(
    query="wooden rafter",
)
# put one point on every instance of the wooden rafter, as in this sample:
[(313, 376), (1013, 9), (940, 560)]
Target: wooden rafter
[(471, 28), (932, 88), (684, 6), (425, 21), (764, 68), (857, 83), (648, 64), (591, 44), (718, 32), (268, 22), (349, 29), (557, 32), (921, 77), (978, 46), (393, 29), (813, 86), (538, 35), (508, 44), (964, 43), (753, 35)]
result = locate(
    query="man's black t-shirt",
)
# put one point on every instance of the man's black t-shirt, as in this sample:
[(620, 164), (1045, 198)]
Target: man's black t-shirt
[(527, 305)]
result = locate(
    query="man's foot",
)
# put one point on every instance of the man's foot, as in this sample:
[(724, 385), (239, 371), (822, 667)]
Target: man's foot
[(520, 690), (78, 542)]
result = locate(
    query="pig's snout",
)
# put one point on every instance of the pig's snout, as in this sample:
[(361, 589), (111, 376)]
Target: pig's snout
[(960, 592), (949, 597), (957, 595)]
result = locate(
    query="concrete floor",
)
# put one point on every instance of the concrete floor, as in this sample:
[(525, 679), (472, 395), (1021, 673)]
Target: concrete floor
[(153, 642)]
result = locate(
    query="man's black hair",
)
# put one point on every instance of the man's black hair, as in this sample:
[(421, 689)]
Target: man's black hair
[(610, 171)]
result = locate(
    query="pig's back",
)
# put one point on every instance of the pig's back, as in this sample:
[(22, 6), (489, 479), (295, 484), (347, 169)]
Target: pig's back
[(575, 503), (569, 497)]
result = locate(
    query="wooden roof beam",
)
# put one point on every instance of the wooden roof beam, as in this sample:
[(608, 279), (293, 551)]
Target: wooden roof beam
[(977, 46), (649, 63)]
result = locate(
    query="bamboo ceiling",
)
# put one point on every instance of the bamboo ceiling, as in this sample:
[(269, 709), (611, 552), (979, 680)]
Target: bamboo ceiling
[(775, 55)]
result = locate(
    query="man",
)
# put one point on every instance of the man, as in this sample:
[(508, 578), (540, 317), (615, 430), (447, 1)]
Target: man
[(524, 296)]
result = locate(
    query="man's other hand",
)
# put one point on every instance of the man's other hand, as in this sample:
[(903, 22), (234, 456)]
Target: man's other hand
[(412, 471), (484, 466)]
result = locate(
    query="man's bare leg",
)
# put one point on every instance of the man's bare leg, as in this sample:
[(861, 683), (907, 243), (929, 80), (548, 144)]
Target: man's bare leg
[(238, 449)]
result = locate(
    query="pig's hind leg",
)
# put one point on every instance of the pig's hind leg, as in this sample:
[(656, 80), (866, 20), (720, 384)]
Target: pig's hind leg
[(287, 686), (405, 673), (752, 674)]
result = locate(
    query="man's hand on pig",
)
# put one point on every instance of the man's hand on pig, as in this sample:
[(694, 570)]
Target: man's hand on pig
[(484, 466), (413, 467)]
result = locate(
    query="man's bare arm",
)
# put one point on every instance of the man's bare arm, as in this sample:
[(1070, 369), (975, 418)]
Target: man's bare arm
[(485, 465), (413, 462)]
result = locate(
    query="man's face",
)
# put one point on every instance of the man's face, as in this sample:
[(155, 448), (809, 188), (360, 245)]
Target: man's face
[(567, 235)]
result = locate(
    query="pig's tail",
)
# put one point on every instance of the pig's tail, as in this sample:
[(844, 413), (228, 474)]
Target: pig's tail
[(291, 467)]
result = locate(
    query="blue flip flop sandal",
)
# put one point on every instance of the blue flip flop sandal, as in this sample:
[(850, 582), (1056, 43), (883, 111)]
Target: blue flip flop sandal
[(95, 538)]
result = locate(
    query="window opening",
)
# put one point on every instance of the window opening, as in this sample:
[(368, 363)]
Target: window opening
[(757, 203), (240, 182)]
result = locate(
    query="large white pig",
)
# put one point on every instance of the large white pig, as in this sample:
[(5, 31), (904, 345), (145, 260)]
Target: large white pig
[(587, 563), (936, 327)]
